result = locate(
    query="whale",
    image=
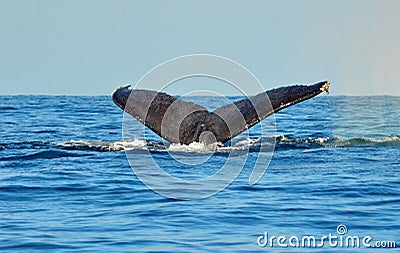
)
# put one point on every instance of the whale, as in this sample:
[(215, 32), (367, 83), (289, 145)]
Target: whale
[(180, 121)]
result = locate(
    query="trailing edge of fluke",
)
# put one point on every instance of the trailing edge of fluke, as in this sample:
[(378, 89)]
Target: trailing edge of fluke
[(178, 121)]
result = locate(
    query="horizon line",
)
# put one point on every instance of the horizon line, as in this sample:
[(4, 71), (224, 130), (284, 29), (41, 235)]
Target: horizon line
[(229, 95)]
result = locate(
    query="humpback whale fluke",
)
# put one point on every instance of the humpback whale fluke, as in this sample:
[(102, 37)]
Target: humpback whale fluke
[(178, 121)]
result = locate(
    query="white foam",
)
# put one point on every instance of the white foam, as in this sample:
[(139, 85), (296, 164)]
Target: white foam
[(104, 146), (387, 139), (129, 145), (193, 147), (247, 142)]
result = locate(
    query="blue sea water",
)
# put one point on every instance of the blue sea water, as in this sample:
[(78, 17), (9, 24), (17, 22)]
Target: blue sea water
[(66, 183)]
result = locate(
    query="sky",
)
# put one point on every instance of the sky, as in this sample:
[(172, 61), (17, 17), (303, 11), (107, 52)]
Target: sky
[(91, 47)]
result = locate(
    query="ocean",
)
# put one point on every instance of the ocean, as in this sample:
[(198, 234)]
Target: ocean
[(66, 183)]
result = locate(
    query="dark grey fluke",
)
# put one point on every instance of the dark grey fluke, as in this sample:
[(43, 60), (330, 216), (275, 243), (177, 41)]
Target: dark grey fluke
[(178, 121)]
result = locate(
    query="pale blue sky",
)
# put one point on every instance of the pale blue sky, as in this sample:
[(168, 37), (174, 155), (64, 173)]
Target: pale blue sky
[(91, 47)]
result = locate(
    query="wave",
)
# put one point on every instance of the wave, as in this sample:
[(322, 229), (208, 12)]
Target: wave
[(153, 146), (266, 144), (336, 142), (253, 144), (48, 154), (103, 146), (24, 145)]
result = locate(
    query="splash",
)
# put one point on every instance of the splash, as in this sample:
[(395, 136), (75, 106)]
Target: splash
[(196, 147)]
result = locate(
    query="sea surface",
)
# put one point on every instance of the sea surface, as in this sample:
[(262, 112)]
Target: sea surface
[(66, 183)]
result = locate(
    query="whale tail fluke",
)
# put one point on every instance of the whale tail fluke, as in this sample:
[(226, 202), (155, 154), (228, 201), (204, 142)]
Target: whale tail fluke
[(178, 121)]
